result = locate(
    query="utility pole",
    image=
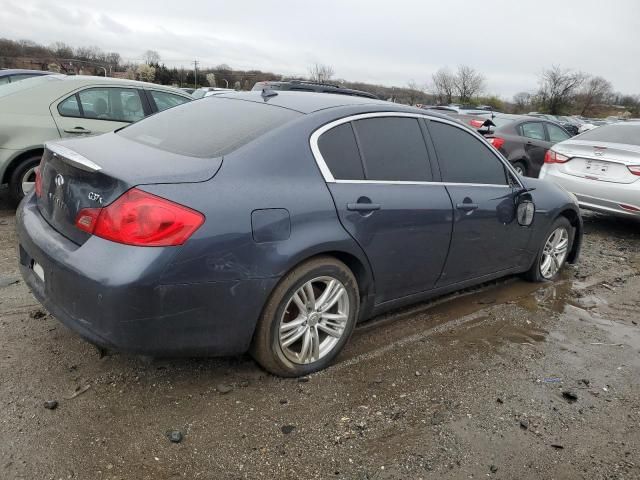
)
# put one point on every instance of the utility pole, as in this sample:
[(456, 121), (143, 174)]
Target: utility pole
[(195, 74)]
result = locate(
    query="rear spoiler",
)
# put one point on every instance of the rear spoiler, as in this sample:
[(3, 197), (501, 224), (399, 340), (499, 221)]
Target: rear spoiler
[(72, 158)]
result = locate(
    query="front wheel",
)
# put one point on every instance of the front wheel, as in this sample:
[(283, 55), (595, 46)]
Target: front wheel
[(520, 168), (308, 319), (553, 252)]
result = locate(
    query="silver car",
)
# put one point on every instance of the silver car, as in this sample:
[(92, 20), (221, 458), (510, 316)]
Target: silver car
[(601, 167)]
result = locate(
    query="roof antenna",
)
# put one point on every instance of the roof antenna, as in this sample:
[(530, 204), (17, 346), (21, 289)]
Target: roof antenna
[(268, 93)]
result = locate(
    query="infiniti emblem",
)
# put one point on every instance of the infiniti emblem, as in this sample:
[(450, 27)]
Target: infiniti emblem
[(59, 180)]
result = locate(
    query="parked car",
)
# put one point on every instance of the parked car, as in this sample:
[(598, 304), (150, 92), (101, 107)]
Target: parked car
[(208, 91), (44, 108), (15, 75), (276, 231), (601, 167), (304, 86), (188, 90), (524, 140), (570, 126)]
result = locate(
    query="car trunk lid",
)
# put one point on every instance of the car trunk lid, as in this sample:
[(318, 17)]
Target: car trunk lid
[(600, 161), (91, 174)]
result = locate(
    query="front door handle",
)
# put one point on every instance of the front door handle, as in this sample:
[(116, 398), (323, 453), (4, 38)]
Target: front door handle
[(77, 130), (467, 207), (363, 207)]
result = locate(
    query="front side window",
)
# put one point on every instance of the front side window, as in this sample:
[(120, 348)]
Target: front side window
[(340, 152), (5, 80), (166, 100), (114, 104), (393, 149), (556, 134), (463, 158), (533, 130)]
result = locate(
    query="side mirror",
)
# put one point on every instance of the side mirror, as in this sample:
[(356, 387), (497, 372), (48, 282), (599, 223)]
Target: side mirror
[(526, 212)]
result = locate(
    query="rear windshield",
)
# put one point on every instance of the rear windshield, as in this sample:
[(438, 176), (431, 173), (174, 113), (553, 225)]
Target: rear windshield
[(210, 127), (27, 84), (618, 133)]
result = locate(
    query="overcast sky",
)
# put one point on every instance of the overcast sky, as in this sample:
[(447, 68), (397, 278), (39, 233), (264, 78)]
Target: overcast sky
[(386, 42)]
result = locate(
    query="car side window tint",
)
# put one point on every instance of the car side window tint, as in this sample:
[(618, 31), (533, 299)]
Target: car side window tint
[(463, 158), (393, 149), (69, 107), (340, 152), (533, 130), (166, 100), (5, 80), (115, 104), (556, 134)]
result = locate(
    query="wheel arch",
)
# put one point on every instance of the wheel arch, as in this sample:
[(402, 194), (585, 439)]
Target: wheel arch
[(13, 164), (576, 222)]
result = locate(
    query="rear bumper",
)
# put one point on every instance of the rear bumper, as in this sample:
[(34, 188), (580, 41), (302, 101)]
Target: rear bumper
[(595, 195), (110, 294)]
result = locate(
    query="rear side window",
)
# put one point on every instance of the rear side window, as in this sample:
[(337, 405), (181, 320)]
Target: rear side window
[(340, 152), (463, 158), (534, 130), (208, 128), (165, 100), (393, 149), (556, 134)]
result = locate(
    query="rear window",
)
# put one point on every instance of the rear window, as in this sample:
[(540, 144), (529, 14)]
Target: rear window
[(210, 127), (618, 133)]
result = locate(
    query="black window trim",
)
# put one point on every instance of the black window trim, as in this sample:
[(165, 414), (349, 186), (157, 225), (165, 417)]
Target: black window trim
[(328, 176), (143, 99)]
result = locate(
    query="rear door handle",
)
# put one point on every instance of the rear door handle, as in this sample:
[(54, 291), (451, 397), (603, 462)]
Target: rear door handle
[(363, 207), (77, 130), (467, 207)]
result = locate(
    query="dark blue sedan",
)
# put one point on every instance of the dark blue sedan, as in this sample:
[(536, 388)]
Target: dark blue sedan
[(273, 222)]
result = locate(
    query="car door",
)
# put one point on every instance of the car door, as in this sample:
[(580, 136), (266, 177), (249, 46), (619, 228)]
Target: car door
[(556, 134), (99, 109), (160, 100), (379, 174), (486, 237), (535, 144)]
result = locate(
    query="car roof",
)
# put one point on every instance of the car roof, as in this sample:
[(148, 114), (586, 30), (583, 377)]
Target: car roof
[(303, 102), (21, 71)]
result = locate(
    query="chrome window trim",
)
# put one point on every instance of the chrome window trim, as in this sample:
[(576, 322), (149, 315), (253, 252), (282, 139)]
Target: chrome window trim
[(329, 178)]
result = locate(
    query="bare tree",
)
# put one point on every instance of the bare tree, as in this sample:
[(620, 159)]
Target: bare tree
[(523, 101), (151, 56), (558, 88), (468, 83), (595, 90), (61, 50), (321, 73), (443, 86), (414, 92)]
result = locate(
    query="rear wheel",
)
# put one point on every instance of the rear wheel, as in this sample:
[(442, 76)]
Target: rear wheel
[(520, 167), (23, 178), (308, 319), (553, 252)]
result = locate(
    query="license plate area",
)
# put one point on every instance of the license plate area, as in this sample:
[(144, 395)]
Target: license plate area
[(595, 168)]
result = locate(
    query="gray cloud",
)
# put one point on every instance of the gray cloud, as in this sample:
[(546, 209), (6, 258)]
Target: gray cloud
[(384, 42)]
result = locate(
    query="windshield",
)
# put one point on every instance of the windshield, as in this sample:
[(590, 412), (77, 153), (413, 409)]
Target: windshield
[(212, 127), (628, 134), (11, 88)]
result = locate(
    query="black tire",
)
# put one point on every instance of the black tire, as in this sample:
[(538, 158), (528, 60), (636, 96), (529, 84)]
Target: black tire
[(521, 168), (15, 181), (266, 348), (535, 274)]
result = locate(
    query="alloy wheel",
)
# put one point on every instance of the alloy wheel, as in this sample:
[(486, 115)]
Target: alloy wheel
[(314, 320), (28, 180), (554, 252)]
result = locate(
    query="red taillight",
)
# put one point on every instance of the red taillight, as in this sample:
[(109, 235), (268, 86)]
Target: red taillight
[(476, 123), (635, 169), (629, 208), (497, 142), (142, 219), (38, 183), (554, 157)]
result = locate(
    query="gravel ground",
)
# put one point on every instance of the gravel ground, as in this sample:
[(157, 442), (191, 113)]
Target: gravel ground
[(512, 380)]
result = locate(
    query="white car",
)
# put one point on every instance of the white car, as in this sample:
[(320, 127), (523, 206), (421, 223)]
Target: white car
[(601, 167)]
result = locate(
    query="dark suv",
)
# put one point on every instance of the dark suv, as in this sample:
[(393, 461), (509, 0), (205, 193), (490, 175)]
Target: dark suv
[(304, 86)]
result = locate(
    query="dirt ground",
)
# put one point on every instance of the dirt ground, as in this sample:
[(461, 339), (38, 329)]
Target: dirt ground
[(469, 386)]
